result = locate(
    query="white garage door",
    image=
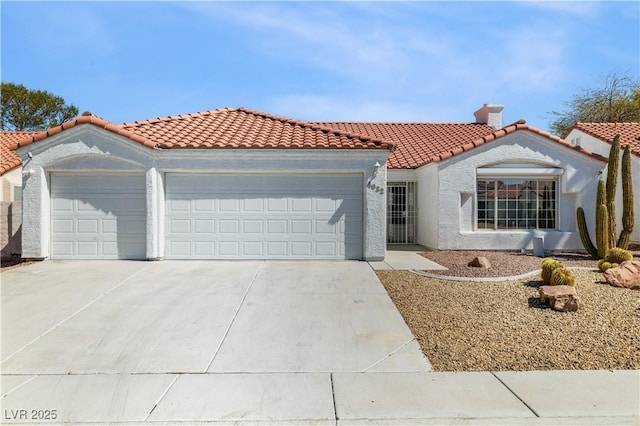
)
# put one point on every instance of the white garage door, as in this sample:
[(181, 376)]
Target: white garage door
[(98, 216), (264, 216)]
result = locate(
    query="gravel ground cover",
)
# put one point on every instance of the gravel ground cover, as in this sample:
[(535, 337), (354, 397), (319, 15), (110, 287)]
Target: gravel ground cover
[(503, 264), (501, 325)]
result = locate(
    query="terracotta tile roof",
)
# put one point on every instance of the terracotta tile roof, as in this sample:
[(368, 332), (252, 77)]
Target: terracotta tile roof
[(238, 128), (85, 118), (418, 144), (242, 128), (629, 133), (9, 160)]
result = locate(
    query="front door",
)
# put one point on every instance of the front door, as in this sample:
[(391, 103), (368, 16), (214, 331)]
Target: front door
[(401, 213)]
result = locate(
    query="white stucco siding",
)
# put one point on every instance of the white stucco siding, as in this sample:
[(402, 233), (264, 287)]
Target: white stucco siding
[(428, 205), (88, 148), (457, 188), (603, 148), (8, 182)]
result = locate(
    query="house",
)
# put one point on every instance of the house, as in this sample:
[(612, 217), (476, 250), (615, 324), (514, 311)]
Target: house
[(598, 137), (226, 184), (236, 183), (483, 186), (10, 193)]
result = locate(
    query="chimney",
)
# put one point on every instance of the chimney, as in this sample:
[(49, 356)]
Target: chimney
[(491, 115)]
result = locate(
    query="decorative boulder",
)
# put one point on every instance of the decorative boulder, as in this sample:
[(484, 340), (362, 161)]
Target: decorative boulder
[(560, 297), (480, 262), (627, 275)]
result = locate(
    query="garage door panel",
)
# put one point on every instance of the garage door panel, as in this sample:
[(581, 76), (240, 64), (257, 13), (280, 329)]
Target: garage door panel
[(204, 205), (272, 216), (277, 205), (277, 226), (229, 249), (96, 216)]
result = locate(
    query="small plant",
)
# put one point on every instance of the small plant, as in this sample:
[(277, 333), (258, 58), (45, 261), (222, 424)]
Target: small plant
[(614, 258), (548, 266), (618, 255), (562, 276)]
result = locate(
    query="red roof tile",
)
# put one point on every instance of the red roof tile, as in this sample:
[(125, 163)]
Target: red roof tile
[(418, 144), (9, 160), (629, 133), (238, 128), (246, 129)]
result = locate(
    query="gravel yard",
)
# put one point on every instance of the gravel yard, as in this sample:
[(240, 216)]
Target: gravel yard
[(497, 326)]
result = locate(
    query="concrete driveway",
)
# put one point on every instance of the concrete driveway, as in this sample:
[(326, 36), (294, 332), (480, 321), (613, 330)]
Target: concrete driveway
[(138, 341)]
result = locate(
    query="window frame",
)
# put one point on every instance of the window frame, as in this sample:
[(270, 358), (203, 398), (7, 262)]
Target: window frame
[(512, 173)]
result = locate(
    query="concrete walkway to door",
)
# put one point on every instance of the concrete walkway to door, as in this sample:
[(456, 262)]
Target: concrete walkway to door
[(253, 342), (405, 257)]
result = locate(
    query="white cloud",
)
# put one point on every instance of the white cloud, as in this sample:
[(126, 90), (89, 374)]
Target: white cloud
[(318, 35)]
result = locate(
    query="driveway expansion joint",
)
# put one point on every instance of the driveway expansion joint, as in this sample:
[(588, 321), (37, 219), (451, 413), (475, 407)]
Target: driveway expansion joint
[(235, 315), (389, 355), (162, 397), (514, 394)]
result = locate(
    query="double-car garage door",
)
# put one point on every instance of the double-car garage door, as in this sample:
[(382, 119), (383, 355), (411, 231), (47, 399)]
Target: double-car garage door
[(210, 216), (264, 216)]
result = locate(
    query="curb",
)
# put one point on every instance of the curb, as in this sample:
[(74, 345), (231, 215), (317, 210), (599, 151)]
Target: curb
[(488, 279)]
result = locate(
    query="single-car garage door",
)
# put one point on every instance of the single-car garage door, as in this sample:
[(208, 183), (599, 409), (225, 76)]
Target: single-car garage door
[(98, 216), (231, 216)]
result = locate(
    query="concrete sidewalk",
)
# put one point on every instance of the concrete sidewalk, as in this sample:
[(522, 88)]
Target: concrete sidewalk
[(405, 257), (484, 398)]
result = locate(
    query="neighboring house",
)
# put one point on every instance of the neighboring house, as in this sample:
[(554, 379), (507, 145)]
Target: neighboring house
[(11, 193), (598, 137), (480, 186), (235, 183)]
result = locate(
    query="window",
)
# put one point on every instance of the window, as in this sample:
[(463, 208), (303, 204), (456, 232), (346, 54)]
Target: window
[(511, 203)]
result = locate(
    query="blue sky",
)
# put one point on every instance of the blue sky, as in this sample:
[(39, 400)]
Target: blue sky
[(319, 61)]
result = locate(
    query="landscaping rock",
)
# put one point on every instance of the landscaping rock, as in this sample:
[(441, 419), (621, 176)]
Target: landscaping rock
[(560, 297), (627, 275), (480, 262)]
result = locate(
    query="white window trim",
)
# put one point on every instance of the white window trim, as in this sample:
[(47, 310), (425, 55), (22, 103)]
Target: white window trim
[(517, 174)]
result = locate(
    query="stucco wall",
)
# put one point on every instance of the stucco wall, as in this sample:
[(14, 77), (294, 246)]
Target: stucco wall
[(603, 148), (456, 193), (10, 223), (11, 212), (88, 148), (8, 182), (428, 206)]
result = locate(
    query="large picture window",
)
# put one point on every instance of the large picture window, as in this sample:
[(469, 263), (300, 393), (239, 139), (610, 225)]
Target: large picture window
[(511, 203)]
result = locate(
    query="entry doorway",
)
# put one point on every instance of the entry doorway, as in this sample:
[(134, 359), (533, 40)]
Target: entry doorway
[(401, 213)]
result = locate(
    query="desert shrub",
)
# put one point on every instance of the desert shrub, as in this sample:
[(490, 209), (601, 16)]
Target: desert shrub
[(618, 255), (562, 276), (548, 266), (603, 265)]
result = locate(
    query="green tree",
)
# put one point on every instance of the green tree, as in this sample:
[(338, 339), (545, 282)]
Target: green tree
[(616, 100), (25, 109)]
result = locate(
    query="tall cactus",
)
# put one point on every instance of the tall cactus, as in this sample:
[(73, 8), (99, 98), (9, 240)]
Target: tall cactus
[(612, 185), (584, 234), (606, 208), (627, 200), (602, 231)]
